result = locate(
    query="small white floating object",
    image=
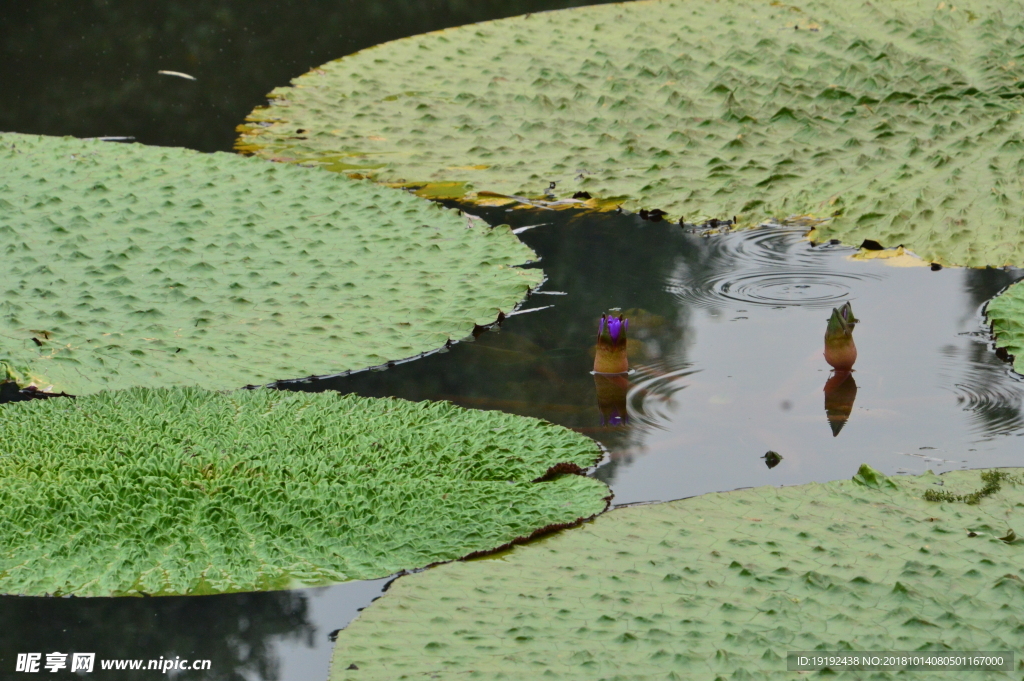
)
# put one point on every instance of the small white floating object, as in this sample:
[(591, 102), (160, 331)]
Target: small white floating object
[(532, 309), (179, 74), (520, 230)]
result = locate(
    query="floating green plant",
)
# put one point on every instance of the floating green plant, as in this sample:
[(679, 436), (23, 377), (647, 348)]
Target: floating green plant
[(900, 121), (715, 586), (185, 491), (130, 265), (992, 482)]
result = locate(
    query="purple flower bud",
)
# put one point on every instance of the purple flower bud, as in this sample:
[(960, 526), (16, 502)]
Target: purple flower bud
[(614, 328), (610, 357)]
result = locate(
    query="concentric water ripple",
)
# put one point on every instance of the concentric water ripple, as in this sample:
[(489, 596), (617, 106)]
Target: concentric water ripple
[(771, 267), (994, 409), (986, 389), (650, 398)]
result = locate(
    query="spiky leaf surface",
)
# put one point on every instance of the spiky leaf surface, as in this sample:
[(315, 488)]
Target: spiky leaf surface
[(902, 117), (183, 491), (1005, 313), (715, 586), (133, 265)]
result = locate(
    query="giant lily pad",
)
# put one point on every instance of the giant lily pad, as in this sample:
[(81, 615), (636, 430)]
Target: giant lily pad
[(900, 119), (716, 586), (1005, 313), (129, 265), (185, 491)]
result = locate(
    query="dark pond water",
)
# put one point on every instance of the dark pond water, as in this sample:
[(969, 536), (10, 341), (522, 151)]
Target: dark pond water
[(726, 332), (89, 69)]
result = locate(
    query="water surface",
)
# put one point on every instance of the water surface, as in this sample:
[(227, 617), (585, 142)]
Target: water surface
[(726, 341), (726, 331)]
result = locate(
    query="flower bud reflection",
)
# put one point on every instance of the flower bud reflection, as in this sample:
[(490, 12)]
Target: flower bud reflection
[(611, 398), (840, 392)]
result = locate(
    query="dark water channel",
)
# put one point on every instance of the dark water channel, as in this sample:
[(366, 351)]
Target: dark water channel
[(726, 332)]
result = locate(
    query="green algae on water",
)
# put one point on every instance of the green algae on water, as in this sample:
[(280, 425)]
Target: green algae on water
[(992, 483)]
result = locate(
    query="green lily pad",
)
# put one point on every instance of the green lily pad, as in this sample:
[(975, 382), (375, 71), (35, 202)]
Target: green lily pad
[(1005, 313), (715, 586), (185, 491), (130, 265), (901, 120)]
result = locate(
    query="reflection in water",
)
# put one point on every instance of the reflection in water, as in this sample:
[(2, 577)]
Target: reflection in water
[(840, 393), (236, 632), (272, 636), (90, 69), (611, 398)]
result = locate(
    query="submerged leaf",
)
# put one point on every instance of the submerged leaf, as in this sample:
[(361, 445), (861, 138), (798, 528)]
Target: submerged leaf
[(899, 121), (130, 265), (715, 586), (184, 491)]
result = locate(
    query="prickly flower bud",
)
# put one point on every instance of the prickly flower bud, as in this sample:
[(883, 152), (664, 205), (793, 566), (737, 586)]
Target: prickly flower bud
[(840, 350), (611, 346)]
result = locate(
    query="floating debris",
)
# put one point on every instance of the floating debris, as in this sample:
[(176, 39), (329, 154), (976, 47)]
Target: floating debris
[(177, 74)]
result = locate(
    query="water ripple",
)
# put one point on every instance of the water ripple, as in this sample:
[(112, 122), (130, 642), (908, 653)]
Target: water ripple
[(994, 409), (771, 267), (985, 388), (650, 398)]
